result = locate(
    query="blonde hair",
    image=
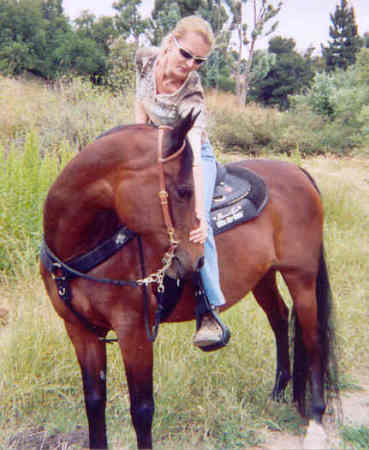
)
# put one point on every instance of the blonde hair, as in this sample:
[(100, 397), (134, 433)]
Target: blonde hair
[(188, 24), (194, 24)]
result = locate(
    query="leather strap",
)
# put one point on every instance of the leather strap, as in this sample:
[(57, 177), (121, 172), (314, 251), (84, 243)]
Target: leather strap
[(163, 194)]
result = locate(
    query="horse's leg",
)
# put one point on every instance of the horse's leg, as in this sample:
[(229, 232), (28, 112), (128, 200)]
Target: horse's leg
[(137, 353), (309, 354), (91, 355), (268, 297)]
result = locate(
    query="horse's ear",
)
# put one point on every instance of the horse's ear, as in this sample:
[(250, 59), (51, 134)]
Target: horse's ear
[(186, 123), (180, 130)]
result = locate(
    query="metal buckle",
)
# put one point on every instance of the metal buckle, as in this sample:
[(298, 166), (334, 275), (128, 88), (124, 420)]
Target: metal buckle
[(163, 197)]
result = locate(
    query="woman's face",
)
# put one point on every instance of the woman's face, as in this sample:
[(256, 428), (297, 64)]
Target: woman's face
[(186, 54)]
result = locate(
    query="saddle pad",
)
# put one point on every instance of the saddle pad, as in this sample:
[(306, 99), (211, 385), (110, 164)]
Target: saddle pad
[(240, 195)]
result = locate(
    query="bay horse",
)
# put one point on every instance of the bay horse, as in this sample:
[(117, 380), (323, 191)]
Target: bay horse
[(116, 179)]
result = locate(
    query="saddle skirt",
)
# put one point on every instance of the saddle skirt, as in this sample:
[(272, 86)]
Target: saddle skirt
[(240, 195)]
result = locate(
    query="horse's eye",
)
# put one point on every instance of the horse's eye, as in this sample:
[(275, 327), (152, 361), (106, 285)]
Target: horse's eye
[(185, 191)]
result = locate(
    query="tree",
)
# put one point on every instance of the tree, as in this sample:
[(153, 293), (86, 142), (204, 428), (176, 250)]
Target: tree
[(129, 21), (366, 39), (56, 28), (217, 72), (262, 12), (215, 13), (102, 30), (290, 74), (362, 66), (262, 64), (164, 17), (121, 70), (21, 36), (80, 55), (30, 33), (341, 51)]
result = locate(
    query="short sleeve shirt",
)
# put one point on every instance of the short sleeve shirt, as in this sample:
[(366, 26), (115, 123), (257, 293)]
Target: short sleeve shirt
[(165, 109)]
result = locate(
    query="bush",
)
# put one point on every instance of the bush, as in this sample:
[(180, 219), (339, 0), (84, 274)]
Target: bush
[(121, 69), (320, 98), (255, 130), (341, 100), (236, 128)]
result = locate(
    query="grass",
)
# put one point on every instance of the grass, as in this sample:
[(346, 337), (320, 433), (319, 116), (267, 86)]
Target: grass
[(355, 438), (203, 401)]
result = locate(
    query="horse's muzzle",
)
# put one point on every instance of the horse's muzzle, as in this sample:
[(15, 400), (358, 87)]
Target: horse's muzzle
[(184, 264)]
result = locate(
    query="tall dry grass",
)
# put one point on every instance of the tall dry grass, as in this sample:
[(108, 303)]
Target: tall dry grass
[(72, 111)]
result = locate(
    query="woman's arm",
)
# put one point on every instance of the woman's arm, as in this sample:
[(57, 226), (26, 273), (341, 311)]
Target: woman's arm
[(140, 113), (200, 234)]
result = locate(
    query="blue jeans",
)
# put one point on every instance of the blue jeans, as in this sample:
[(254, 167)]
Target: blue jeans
[(210, 271)]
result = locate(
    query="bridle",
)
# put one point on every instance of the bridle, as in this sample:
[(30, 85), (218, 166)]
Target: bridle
[(163, 194), (158, 276)]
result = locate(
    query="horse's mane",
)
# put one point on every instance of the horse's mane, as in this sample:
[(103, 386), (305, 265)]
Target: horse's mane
[(119, 128)]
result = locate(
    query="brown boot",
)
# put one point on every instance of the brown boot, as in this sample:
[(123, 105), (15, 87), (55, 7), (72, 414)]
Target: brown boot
[(209, 333)]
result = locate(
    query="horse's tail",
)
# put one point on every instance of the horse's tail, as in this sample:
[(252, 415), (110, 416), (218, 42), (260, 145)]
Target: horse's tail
[(327, 339), (327, 344)]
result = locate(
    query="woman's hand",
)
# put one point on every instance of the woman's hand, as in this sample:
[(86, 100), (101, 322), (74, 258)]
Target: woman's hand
[(199, 235)]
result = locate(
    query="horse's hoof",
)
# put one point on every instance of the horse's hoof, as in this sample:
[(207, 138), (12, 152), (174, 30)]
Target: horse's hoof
[(316, 437)]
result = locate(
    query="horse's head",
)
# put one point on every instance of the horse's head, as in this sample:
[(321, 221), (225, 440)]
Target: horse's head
[(155, 196)]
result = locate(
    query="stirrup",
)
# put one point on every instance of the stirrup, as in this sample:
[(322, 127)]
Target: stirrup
[(204, 307)]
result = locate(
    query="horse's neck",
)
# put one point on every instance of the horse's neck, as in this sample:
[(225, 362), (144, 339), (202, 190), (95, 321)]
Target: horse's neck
[(79, 217), (79, 210)]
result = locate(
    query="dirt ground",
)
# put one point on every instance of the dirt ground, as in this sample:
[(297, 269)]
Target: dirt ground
[(355, 407)]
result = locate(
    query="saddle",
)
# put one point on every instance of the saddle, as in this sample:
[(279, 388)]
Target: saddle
[(240, 195)]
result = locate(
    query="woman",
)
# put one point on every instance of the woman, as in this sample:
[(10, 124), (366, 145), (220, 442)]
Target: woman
[(168, 86)]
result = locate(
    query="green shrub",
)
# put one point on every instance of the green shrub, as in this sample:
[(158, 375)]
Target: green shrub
[(320, 97), (356, 438), (241, 129), (25, 178), (121, 71)]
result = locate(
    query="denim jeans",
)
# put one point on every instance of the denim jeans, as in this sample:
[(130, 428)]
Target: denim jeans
[(210, 271)]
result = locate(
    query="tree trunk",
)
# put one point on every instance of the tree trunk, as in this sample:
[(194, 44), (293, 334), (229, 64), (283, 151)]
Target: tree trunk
[(245, 85), (238, 73)]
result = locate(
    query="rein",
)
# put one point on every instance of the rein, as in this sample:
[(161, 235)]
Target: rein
[(62, 272)]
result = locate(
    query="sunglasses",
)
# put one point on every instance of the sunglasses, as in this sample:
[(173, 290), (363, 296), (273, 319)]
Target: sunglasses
[(187, 55)]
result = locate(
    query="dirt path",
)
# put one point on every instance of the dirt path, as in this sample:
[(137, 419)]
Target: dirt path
[(355, 406)]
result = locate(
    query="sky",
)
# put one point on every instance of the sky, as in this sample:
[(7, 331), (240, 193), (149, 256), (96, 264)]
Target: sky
[(307, 22)]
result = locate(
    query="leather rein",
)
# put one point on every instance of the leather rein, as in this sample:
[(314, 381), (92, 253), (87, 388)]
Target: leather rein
[(61, 272)]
